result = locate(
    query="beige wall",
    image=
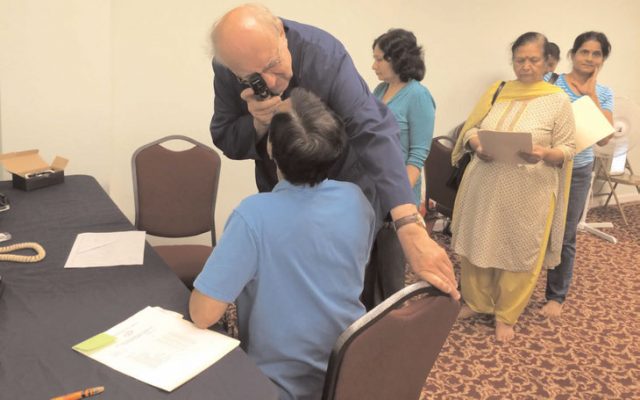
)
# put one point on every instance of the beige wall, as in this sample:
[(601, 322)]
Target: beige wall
[(56, 81), (94, 79)]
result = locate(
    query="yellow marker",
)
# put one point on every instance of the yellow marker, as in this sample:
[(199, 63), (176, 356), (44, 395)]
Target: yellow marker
[(81, 394)]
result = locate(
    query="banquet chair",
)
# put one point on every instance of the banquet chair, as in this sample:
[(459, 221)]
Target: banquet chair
[(175, 197), (388, 353), (628, 177), (437, 170)]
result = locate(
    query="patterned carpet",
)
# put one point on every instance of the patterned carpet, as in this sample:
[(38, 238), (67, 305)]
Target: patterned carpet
[(591, 352)]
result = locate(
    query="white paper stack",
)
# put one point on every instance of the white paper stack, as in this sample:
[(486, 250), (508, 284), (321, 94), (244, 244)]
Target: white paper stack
[(158, 347)]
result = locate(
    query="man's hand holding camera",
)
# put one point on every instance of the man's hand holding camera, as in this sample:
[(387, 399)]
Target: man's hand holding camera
[(261, 110)]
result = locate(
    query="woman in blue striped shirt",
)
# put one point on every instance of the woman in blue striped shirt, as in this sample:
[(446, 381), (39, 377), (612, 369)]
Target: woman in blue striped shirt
[(589, 51)]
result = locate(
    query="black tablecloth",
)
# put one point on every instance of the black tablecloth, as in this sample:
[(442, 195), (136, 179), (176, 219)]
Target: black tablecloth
[(45, 309)]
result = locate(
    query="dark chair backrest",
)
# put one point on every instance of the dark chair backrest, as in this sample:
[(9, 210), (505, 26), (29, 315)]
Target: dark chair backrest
[(175, 191), (389, 352), (437, 171)]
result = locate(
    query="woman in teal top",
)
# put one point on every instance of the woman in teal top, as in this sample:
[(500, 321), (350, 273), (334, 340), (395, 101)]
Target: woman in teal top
[(398, 63)]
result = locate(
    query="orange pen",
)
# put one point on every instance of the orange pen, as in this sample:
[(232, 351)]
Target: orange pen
[(81, 394)]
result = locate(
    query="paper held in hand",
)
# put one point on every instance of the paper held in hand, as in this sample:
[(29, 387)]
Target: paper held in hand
[(505, 146), (158, 347), (591, 124)]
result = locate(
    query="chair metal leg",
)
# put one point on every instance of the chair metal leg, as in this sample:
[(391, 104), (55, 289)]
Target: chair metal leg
[(628, 166), (615, 196), (592, 227), (603, 173), (606, 203)]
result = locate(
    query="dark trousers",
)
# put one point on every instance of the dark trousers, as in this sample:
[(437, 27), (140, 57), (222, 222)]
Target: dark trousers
[(384, 274), (559, 278)]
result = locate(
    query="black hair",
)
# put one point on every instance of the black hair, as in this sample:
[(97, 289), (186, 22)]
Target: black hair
[(401, 49), (592, 35), (553, 50), (531, 37), (307, 140)]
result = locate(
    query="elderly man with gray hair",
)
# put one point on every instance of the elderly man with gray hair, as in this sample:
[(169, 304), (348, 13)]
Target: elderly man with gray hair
[(249, 40)]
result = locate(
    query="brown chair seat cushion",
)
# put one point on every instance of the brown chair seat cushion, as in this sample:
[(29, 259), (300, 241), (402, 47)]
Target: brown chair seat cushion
[(186, 260)]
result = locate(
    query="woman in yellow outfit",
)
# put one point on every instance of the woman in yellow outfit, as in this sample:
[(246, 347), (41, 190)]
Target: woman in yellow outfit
[(508, 219)]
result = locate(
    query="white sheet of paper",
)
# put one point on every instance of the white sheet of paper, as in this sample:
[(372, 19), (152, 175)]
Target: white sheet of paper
[(160, 348), (504, 146), (591, 124), (107, 249)]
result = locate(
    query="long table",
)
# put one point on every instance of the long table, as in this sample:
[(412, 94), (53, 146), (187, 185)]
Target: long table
[(46, 309)]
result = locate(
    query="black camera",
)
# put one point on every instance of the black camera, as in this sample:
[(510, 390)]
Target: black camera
[(259, 86)]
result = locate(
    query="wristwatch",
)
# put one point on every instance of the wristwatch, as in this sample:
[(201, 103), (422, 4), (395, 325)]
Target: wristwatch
[(414, 218)]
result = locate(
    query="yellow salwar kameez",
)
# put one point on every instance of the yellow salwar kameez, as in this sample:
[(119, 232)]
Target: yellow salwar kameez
[(502, 293), (508, 219)]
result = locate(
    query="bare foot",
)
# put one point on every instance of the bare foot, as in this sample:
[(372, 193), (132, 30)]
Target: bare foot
[(504, 332), (552, 309), (466, 312)]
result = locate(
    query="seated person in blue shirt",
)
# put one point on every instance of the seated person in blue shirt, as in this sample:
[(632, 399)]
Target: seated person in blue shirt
[(293, 259)]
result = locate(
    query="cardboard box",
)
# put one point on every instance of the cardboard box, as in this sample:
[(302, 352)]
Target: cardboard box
[(31, 172)]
